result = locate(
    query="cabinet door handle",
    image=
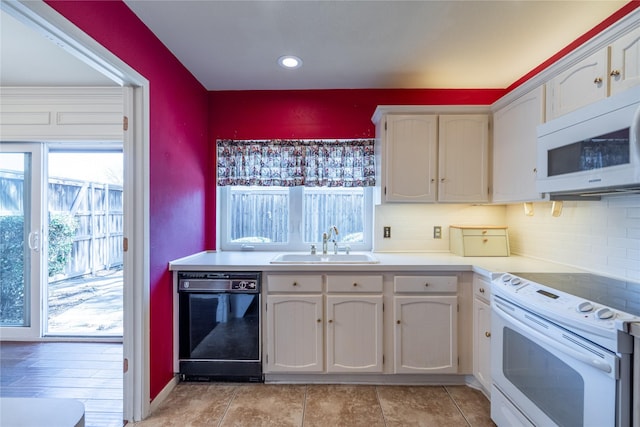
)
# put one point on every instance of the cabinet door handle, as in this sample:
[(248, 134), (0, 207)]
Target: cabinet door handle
[(398, 321), (426, 284), (319, 320), (487, 334), (330, 321), (481, 290), (485, 240), (614, 73), (295, 283), (355, 284), (597, 80), (433, 180), (441, 179)]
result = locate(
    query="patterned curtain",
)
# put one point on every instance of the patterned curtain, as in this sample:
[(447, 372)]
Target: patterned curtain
[(289, 163)]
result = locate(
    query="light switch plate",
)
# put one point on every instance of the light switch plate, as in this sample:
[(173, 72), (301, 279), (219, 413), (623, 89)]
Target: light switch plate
[(437, 232)]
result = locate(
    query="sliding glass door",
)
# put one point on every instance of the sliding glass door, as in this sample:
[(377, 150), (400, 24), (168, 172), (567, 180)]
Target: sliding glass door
[(21, 239)]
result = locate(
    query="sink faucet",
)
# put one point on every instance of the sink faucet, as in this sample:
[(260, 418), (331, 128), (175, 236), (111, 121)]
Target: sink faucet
[(333, 231)]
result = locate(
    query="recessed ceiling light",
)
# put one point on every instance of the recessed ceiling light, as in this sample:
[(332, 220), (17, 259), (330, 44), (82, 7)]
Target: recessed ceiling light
[(290, 62)]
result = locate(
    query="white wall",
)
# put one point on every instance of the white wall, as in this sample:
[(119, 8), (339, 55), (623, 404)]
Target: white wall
[(412, 224), (599, 236), (602, 236)]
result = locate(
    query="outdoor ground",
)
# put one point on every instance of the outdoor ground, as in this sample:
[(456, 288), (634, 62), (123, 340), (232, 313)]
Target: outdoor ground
[(88, 305)]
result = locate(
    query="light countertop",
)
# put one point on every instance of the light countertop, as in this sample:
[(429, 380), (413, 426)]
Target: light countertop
[(389, 261)]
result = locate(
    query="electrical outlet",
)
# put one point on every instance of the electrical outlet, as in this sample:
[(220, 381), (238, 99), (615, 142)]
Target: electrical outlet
[(437, 232), (387, 232)]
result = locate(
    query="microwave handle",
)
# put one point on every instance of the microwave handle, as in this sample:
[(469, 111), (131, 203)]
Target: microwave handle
[(598, 364)]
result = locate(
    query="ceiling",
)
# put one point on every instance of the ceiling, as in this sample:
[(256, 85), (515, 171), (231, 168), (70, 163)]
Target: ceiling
[(28, 58), (234, 45)]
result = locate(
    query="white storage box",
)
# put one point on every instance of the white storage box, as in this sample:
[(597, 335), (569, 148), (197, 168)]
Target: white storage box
[(479, 240)]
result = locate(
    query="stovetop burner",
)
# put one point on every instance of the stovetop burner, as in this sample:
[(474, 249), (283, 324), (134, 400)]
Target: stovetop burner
[(617, 294)]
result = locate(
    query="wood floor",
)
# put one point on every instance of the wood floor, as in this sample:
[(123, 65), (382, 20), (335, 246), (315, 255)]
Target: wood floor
[(89, 372)]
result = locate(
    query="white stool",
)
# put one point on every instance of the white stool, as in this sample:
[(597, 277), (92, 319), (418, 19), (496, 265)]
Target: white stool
[(38, 412)]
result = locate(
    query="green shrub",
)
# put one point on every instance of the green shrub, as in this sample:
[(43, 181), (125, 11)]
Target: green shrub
[(11, 270), (62, 229)]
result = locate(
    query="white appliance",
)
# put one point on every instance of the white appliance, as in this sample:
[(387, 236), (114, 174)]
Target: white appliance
[(561, 359), (592, 151)]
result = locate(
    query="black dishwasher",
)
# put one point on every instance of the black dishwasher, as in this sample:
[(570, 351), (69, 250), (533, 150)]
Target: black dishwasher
[(219, 326)]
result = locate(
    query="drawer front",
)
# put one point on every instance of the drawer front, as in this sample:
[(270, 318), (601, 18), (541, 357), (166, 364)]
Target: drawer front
[(291, 283), (425, 284), (355, 283), (485, 246), (484, 232), (481, 287)]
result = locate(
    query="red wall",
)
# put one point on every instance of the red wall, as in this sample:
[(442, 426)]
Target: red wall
[(315, 114), (178, 168)]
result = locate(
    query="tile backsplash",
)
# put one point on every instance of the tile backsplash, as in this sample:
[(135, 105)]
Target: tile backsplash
[(599, 236)]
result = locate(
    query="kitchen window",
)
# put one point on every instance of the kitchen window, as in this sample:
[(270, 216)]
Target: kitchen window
[(282, 195)]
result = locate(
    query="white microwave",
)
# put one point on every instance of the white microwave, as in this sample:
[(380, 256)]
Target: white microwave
[(592, 151)]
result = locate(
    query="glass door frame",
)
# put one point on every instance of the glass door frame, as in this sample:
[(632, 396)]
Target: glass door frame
[(35, 242)]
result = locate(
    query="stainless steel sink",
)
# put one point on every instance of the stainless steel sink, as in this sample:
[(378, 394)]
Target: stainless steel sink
[(299, 258)]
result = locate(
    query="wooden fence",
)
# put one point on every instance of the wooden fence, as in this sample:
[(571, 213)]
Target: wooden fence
[(98, 209)]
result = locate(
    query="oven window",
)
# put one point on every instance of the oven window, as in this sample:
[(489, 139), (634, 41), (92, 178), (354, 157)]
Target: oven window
[(222, 326), (552, 385), (611, 149)]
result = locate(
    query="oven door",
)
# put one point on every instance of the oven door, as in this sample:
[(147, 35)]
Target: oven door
[(550, 376)]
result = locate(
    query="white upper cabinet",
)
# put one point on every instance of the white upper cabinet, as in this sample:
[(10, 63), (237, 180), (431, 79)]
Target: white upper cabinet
[(515, 148), (608, 71), (580, 85), (433, 158), (409, 151), (463, 142), (625, 62)]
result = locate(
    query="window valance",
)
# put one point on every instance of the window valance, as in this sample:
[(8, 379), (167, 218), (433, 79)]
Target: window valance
[(289, 163)]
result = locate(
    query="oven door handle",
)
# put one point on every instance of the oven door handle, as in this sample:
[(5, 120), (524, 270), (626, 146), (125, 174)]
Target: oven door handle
[(598, 364)]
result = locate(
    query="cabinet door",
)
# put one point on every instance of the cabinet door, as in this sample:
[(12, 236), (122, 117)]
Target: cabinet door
[(482, 343), (426, 334), (580, 85), (354, 333), (515, 146), (294, 333), (410, 158), (463, 144), (625, 62)]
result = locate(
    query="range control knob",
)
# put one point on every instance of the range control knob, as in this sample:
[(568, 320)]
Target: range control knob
[(516, 281), (584, 307), (506, 278), (604, 313)]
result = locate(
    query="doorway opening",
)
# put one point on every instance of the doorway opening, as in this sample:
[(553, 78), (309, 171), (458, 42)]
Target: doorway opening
[(85, 257)]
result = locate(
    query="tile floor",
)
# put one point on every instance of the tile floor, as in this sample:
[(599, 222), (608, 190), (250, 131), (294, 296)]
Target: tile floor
[(206, 404)]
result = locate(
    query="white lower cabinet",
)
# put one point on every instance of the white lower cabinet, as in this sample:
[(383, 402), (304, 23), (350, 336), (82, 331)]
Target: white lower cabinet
[(336, 324), (354, 333), (482, 332), (345, 336), (294, 333), (425, 337)]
